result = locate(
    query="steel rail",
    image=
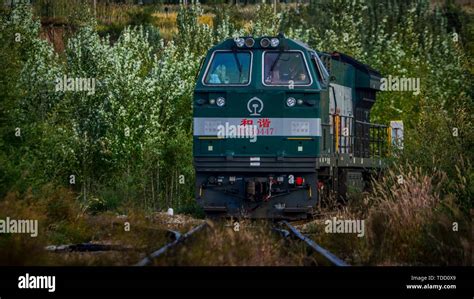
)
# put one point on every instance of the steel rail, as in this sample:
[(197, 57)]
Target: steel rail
[(324, 252), (178, 239)]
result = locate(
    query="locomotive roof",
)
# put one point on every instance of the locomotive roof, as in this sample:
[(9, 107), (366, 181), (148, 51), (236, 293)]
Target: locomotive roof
[(302, 44), (357, 64), (366, 76), (229, 43)]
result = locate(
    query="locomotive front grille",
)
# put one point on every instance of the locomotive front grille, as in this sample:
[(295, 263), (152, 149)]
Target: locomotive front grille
[(247, 164)]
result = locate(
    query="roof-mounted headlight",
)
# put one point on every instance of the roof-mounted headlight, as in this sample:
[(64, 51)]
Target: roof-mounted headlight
[(275, 42), (264, 42), (249, 42), (239, 42)]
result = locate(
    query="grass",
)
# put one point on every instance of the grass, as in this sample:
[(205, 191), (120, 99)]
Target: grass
[(254, 244), (62, 220), (21, 249), (407, 222), (166, 22), (112, 18)]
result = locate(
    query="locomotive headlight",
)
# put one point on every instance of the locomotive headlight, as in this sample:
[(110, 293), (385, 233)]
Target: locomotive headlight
[(299, 101), (275, 42), (239, 42), (220, 101), (249, 42), (264, 42), (290, 102), (212, 101)]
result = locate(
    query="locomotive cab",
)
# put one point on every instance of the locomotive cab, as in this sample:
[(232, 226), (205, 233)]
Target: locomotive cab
[(260, 113)]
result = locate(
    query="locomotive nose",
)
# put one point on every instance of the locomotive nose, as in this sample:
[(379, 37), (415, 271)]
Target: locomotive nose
[(260, 124), (281, 129)]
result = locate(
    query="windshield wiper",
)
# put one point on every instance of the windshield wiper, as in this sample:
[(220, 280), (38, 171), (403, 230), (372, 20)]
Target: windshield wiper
[(275, 62), (239, 66)]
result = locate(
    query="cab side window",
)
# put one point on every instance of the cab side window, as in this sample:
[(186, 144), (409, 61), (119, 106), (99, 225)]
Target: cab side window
[(229, 68), (322, 73)]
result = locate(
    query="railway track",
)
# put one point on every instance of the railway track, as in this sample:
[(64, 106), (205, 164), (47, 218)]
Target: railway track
[(293, 231), (283, 228), (178, 238)]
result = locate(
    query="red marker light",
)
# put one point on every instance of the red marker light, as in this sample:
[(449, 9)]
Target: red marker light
[(299, 181)]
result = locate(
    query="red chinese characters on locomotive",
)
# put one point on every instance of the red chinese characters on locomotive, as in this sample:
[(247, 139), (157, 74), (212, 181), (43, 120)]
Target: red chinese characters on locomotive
[(263, 125)]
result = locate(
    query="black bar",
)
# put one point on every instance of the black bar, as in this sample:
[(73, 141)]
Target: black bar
[(242, 282)]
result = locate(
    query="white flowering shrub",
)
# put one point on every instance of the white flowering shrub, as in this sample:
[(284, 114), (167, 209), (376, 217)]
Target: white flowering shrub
[(267, 23), (133, 133), (41, 66), (225, 28), (193, 36), (142, 102)]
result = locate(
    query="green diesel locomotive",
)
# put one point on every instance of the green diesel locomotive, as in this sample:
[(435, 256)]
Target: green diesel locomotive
[(277, 125)]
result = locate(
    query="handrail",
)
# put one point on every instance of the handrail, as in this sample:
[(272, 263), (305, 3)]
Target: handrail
[(360, 138)]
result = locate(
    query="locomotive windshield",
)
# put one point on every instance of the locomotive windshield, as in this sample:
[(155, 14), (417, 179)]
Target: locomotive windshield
[(229, 68), (282, 68)]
